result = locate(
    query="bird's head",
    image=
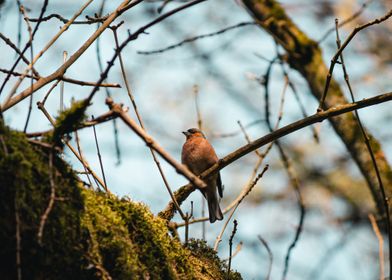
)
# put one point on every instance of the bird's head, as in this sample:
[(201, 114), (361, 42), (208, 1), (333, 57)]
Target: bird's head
[(193, 132)]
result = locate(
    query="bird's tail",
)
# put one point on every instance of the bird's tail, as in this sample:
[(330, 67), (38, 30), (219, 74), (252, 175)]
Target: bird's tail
[(214, 210)]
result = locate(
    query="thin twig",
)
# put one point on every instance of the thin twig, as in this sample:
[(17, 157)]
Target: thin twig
[(346, 21), (62, 85), (192, 39), (99, 155), (380, 244), (90, 20), (108, 93), (236, 251), (236, 132), (81, 156), (30, 31), (187, 218), (65, 79), (299, 102), (248, 190), (370, 150), (52, 87), (231, 246), (52, 198), (340, 50), (270, 256), (19, 52)]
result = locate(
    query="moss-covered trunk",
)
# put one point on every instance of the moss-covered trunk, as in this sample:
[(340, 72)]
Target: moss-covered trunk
[(86, 234)]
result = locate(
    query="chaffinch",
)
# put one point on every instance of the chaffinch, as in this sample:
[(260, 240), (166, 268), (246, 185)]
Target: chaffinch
[(198, 155)]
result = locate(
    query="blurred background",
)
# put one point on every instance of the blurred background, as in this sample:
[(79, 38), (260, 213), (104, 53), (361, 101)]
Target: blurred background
[(223, 74)]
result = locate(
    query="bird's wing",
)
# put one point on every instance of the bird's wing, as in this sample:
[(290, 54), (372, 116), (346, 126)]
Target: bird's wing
[(220, 186)]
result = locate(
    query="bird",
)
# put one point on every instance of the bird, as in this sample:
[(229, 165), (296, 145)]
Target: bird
[(198, 155)]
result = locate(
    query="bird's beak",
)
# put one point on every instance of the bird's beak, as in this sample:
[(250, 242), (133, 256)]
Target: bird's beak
[(186, 133)]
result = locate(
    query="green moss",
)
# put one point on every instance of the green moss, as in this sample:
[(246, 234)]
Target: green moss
[(68, 121), (25, 192), (202, 251), (87, 234)]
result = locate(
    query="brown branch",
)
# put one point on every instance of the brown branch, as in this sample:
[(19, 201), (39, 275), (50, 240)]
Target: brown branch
[(186, 190), (380, 244), (65, 79), (151, 143)]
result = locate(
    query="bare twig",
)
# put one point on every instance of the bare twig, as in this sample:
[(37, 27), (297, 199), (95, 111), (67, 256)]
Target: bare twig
[(30, 30), (62, 85), (270, 256), (187, 218), (192, 39), (81, 156), (52, 197), (90, 20), (236, 251), (236, 132), (340, 50), (99, 155), (380, 244), (108, 93), (19, 52), (231, 246), (65, 79), (346, 21)]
